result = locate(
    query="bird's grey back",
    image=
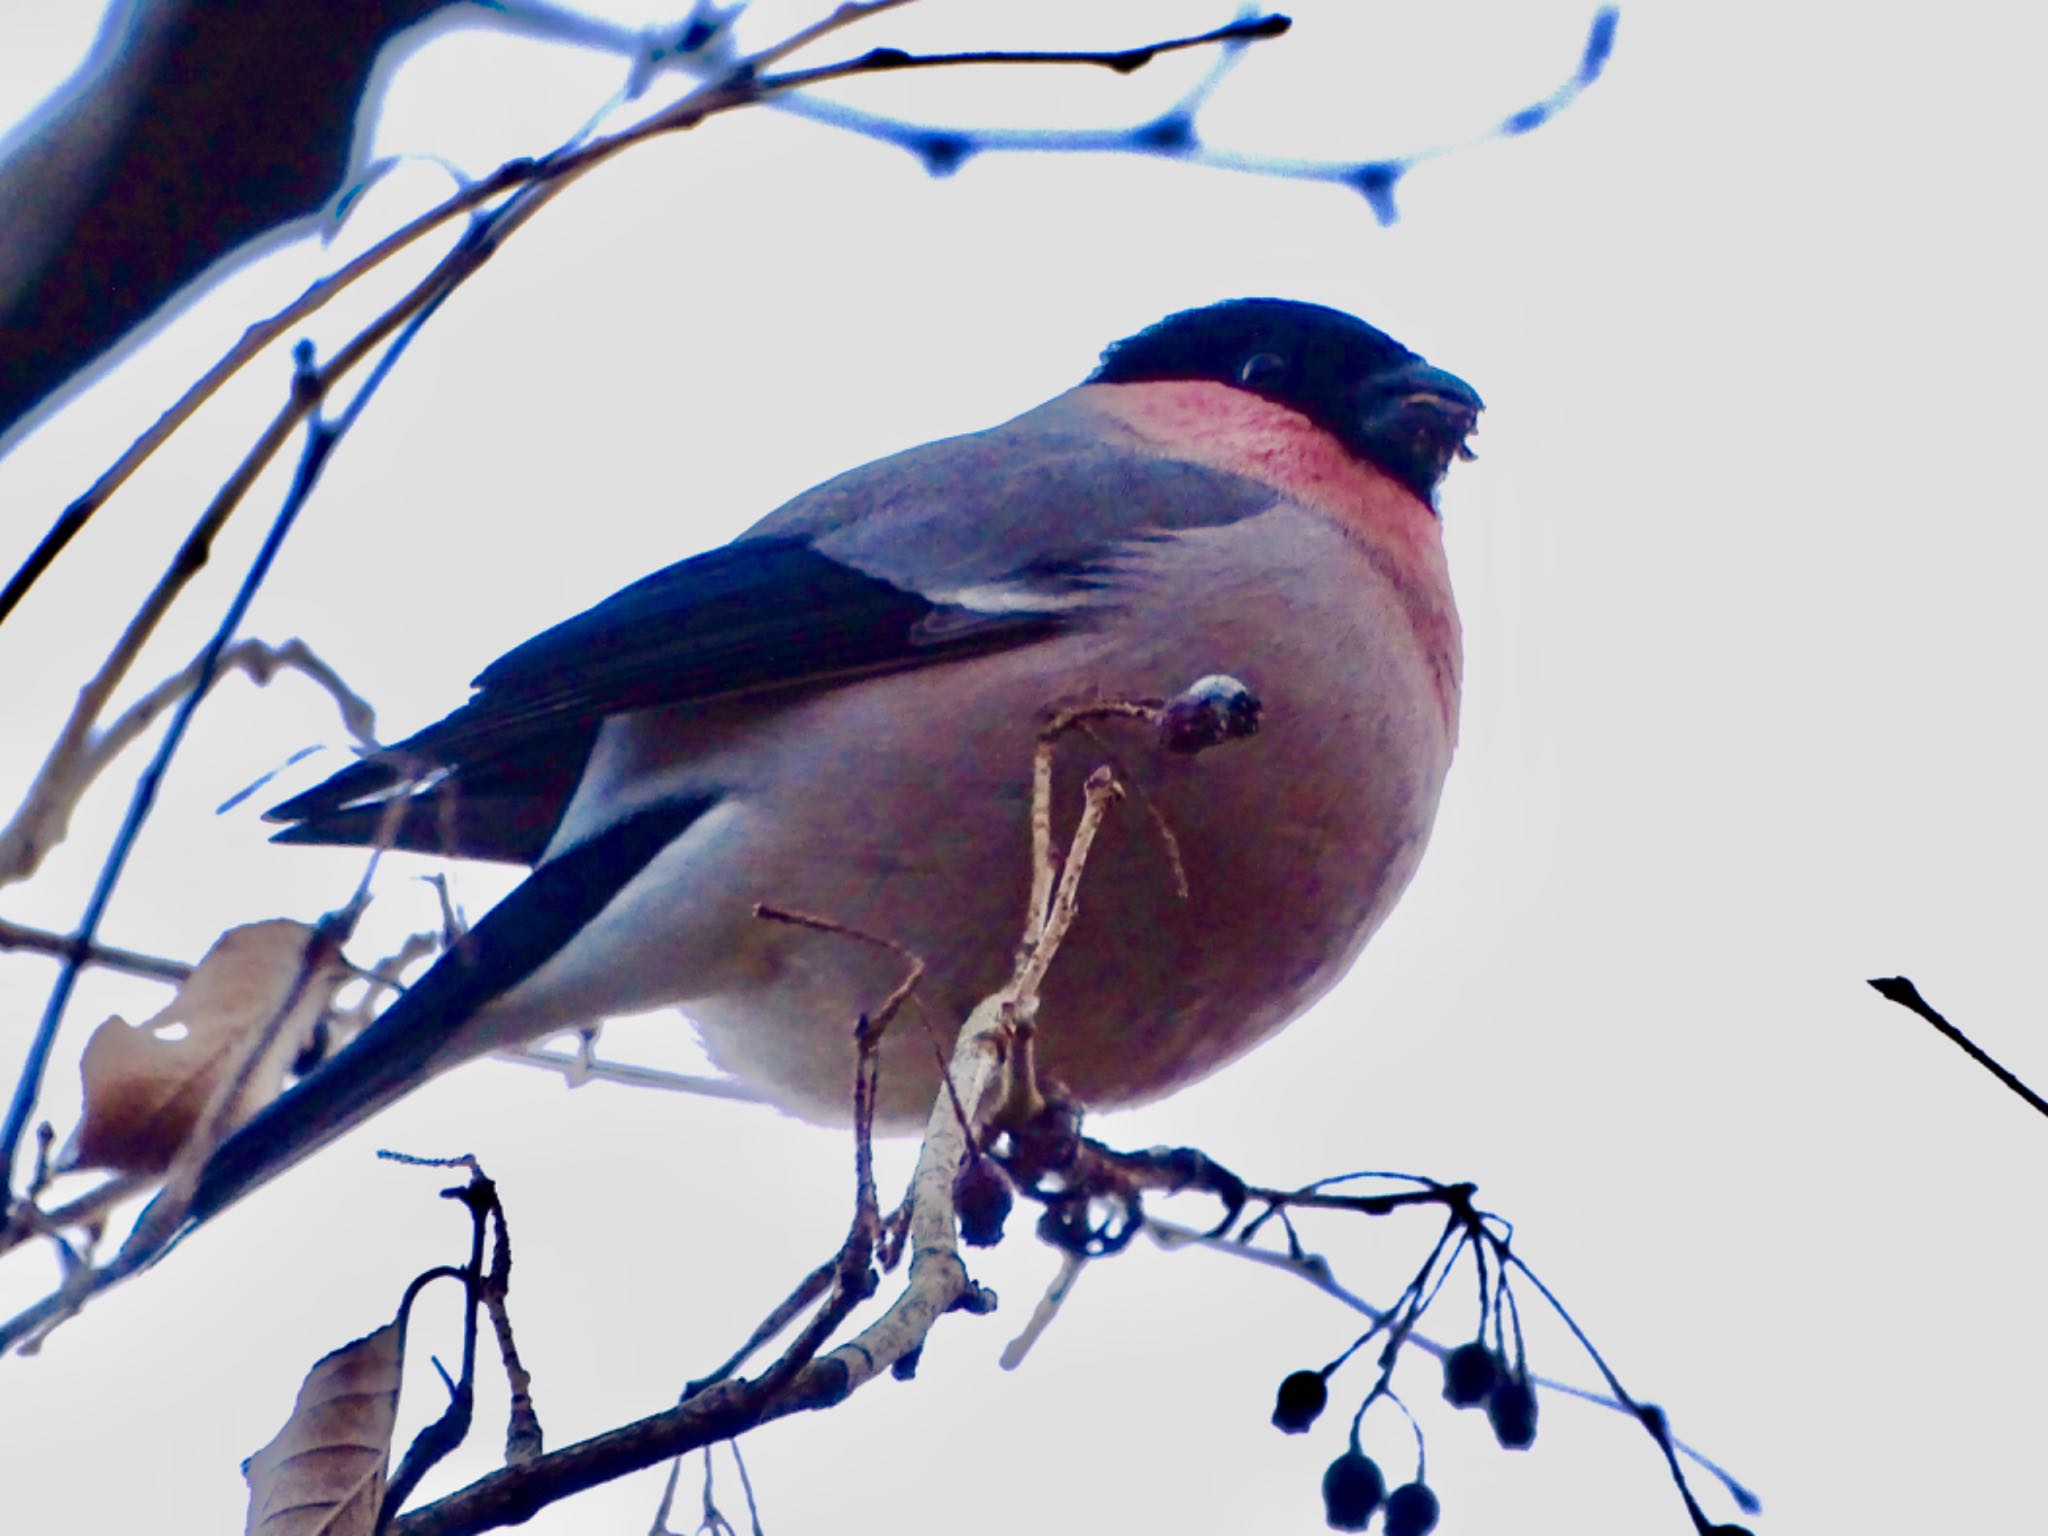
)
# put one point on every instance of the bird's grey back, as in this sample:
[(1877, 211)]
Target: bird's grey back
[(1039, 499)]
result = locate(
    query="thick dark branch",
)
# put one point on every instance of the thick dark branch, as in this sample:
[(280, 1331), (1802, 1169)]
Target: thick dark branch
[(193, 129)]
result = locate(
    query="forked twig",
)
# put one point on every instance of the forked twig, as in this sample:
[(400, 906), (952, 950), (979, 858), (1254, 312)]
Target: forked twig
[(81, 753), (936, 1279)]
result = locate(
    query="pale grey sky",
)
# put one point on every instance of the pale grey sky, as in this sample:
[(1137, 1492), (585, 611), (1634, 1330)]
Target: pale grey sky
[(1750, 567)]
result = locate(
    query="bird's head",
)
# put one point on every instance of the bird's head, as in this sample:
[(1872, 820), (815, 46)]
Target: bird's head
[(1381, 401)]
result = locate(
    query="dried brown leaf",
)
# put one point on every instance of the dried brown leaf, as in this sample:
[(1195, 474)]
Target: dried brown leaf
[(146, 1086), (323, 1475)]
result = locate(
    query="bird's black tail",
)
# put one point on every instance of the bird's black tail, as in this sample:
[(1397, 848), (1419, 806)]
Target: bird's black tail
[(424, 1031)]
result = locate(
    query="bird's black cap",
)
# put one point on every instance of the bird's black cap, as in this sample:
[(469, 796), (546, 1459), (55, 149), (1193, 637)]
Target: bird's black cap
[(1375, 396)]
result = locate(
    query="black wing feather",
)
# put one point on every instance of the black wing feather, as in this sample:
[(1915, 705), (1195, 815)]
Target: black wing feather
[(764, 614), (501, 809)]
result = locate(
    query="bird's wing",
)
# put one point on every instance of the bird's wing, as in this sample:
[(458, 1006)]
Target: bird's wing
[(963, 546), (758, 616)]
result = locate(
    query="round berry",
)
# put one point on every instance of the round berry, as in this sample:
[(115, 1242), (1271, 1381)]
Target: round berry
[(1352, 1490), (981, 1196), (1411, 1510), (1469, 1374), (1300, 1401), (1511, 1409)]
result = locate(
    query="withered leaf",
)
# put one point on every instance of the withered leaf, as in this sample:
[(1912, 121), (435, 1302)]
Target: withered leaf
[(323, 1475), (146, 1086)]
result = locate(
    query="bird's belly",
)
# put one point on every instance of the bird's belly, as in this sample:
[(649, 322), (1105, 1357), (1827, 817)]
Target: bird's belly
[(1294, 845)]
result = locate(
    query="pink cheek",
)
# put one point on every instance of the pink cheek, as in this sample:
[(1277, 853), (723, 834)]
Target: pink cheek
[(1246, 435)]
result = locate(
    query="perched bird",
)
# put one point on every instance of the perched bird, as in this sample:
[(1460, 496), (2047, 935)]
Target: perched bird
[(836, 712)]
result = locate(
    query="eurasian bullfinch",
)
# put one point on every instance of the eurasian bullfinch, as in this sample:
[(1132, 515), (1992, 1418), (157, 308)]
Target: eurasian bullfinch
[(836, 713)]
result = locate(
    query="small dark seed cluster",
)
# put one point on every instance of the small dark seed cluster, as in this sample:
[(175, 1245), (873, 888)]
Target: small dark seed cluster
[(1490, 1373), (1469, 1374), (1474, 1377), (1300, 1402), (1354, 1489), (1411, 1510), (981, 1196)]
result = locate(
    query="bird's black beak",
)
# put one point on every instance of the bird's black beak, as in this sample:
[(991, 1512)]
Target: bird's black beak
[(1418, 417)]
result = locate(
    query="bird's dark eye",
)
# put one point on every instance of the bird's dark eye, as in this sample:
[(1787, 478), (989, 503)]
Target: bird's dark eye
[(1261, 368)]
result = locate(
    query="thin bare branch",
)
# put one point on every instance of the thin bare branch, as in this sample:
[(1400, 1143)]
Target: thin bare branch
[(576, 1068), (1101, 792), (1900, 990), (62, 946), (82, 753)]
